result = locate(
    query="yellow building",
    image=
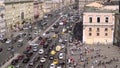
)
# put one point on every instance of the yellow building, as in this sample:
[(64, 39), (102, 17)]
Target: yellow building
[(98, 24), (18, 11)]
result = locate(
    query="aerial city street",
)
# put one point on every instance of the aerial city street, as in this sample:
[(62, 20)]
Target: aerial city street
[(59, 34)]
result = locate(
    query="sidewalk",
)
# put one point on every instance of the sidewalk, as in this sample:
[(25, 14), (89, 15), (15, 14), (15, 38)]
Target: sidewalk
[(98, 56)]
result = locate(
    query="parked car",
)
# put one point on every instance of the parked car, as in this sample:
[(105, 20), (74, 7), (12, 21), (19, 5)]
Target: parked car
[(14, 62)]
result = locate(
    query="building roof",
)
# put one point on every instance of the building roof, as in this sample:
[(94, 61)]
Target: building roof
[(95, 4), (111, 3), (100, 7)]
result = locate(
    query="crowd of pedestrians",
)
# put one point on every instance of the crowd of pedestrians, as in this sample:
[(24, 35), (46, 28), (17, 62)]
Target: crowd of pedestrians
[(93, 56)]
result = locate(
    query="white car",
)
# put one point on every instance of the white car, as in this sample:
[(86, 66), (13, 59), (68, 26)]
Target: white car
[(61, 55), (41, 51), (44, 34), (20, 40), (60, 40), (61, 23), (59, 66), (42, 59), (8, 41), (52, 65), (34, 44), (35, 49)]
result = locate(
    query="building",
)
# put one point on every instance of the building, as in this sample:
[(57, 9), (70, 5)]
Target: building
[(18, 11), (98, 23), (2, 20)]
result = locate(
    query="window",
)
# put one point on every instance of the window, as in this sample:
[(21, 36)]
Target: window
[(98, 29), (106, 19), (90, 34), (98, 34), (106, 29), (106, 34), (90, 19), (98, 19), (90, 29)]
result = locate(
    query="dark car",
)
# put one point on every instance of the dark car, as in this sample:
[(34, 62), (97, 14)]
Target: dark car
[(1, 49), (37, 59), (46, 54), (40, 38), (20, 57), (45, 45), (14, 62), (29, 48), (29, 54), (3, 40), (20, 44), (26, 60), (29, 38)]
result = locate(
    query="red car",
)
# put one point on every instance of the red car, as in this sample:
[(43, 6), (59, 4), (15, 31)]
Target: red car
[(42, 42), (28, 47), (20, 57)]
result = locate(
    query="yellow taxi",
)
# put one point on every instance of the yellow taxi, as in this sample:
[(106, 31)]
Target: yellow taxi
[(53, 52), (62, 33), (54, 36), (58, 48), (55, 61)]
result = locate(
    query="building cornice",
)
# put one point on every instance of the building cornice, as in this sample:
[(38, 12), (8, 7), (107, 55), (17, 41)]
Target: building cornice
[(16, 2)]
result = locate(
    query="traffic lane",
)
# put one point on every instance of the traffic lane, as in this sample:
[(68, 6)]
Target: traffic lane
[(46, 30), (47, 65)]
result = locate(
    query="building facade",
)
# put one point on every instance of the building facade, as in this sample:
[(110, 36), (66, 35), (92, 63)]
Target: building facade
[(98, 27), (18, 11)]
